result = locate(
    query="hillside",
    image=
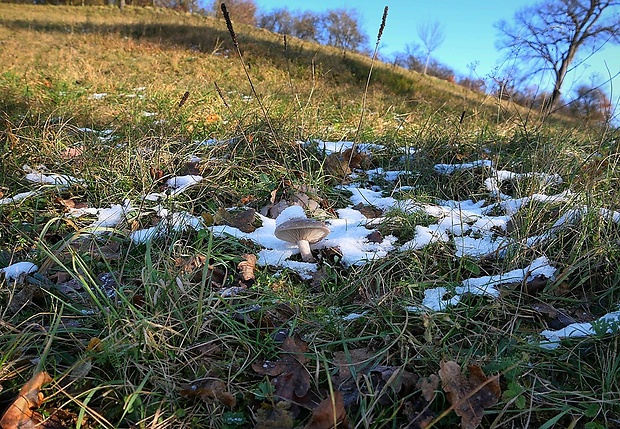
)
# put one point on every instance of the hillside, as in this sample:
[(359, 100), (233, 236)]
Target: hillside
[(464, 269), (79, 51)]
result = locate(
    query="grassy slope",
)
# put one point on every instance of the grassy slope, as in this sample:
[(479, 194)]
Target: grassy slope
[(157, 337)]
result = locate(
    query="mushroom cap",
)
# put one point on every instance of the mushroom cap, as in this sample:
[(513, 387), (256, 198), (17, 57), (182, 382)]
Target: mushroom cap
[(296, 229)]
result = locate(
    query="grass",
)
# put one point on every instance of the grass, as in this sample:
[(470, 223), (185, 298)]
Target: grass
[(140, 336)]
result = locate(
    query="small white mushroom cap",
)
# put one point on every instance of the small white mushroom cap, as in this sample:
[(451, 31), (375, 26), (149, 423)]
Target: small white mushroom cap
[(302, 231)]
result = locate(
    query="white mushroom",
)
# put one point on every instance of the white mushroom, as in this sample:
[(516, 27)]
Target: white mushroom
[(304, 232)]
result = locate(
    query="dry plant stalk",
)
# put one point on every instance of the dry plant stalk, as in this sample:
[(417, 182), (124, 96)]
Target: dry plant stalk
[(372, 64)]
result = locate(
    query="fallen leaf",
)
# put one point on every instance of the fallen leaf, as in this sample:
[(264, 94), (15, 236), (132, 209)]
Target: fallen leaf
[(246, 270), (191, 264), (22, 412), (291, 378), (330, 413), (354, 158), (212, 118), (336, 166), (374, 237), (241, 220), (371, 212), (418, 414), (469, 397), (72, 152), (428, 386), (353, 361), (210, 389), (393, 382), (23, 297)]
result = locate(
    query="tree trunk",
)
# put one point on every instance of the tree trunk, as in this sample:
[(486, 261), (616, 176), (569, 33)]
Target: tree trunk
[(560, 75), (121, 4)]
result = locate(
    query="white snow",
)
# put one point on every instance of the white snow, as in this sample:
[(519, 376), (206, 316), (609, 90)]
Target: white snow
[(451, 168), (109, 217), (487, 285), (610, 321), (181, 183), (17, 197), (15, 270), (341, 146)]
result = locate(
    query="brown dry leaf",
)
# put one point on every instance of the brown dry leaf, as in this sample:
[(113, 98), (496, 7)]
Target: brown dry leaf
[(275, 416), (212, 118), (329, 414), (418, 414), (207, 218), (354, 158), (72, 152), (393, 382), (336, 166), (210, 389), (469, 397), (21, 413), (241, 220), (246, 269), (374, 237), (356, 361), (190, 265), (428, 386), (292, 380), (23, 297), (370, 212)]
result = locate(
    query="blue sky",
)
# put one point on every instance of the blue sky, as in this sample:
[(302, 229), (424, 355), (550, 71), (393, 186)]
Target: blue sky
[(468, 26)]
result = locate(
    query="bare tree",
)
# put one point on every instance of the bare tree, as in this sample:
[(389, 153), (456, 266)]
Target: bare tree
[(549, 35), (591, 104), (342, 29), (306, 26), (277, 21), (242, 11), (432, 36)]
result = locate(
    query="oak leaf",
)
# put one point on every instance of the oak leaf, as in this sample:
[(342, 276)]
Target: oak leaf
[(22, 412), (291, 378), (330, 413), (469, 397)]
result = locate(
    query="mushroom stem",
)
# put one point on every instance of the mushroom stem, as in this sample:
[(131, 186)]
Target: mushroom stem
[(304, 249)]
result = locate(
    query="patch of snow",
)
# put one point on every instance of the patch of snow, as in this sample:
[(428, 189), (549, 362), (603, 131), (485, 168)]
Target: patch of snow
[(181, 183), (340, 146), (17, 197), (109, 217), (354, 316), (485, 285), (448, 169), (15, 270), (585, 329)]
